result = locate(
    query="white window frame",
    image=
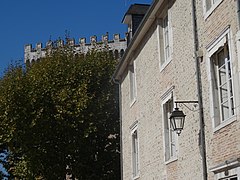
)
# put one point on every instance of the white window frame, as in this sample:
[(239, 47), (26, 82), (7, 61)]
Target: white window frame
[(232, 173), (229, 177), (164, 36), (135, 151), (221, 173), (169, 155), (132, 83), (212, 49), (208, 12)]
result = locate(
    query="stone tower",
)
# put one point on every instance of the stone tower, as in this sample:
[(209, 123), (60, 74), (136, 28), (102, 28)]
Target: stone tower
[(117, 45)]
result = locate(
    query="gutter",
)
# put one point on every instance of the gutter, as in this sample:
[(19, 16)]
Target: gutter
[(139, 34), (238, 12), (120, 119)]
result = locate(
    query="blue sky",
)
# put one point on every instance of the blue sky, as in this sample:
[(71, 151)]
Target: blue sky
[(29, 22)]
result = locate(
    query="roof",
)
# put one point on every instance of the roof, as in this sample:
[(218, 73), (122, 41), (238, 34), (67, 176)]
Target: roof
[(139, 34), (139, 9)]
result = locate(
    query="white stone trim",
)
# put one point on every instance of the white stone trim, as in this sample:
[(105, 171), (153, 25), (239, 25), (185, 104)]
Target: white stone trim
[(225, 123), (132, 101), (166, 94), (211, 49), (209, 12), (165, 13), (227, 169), (236, 70), (219, 41), (166, 97), (134, 127)]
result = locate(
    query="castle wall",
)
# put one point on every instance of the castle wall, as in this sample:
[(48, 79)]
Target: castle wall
[(117, 45)]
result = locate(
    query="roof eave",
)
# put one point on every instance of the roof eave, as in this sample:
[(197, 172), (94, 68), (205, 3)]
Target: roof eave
[(139, 34)]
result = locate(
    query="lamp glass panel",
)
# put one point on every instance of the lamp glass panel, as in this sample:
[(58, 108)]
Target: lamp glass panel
[(172, 121), (179, 122)]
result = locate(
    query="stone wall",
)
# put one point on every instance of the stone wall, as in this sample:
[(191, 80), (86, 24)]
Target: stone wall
[(178, 76), (117, 45), (223, 145)]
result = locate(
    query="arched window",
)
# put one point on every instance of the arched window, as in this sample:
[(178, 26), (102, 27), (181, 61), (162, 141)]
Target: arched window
[(116, 54), (121, 53)]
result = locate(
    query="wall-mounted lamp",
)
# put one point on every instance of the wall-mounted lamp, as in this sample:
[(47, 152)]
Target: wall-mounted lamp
[(177, 117)]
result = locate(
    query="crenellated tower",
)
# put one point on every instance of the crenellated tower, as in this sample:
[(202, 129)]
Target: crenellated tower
[(117, 45)]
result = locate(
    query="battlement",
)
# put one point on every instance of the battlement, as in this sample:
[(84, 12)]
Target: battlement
[(117, 44)]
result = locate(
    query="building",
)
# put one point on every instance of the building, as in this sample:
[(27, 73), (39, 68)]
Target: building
[(117, 45), (133, 17), (182, 51)]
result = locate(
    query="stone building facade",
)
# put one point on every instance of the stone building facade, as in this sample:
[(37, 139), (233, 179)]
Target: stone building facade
[(117, 45), (159, 68)]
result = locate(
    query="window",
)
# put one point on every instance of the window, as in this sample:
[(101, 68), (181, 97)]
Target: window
[(228, 174), (132, 77), (135, 153), (210, 5), (116, 54), (169, 135), (222, 81), (121, 52), (227, 171), (164, 33), (166, 38), (230, 178)]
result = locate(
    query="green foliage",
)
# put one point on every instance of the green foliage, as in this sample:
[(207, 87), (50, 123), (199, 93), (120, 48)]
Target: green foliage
[(60, 115)]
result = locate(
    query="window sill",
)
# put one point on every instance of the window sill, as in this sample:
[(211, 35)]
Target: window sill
[(225, 123), (136, 177), (172, 159), (133, 102), (164, 65), (209, 12)]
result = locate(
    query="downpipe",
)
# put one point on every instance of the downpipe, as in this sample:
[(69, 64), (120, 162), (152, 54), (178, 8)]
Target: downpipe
[(199, 91)]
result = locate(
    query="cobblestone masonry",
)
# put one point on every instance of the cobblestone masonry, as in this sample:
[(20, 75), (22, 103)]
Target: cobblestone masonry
[(179, 74)]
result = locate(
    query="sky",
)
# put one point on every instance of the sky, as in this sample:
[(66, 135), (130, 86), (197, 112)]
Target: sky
[(30, 21)]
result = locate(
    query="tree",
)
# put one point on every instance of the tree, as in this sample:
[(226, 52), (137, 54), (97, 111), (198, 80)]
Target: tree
[(60, 116)]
